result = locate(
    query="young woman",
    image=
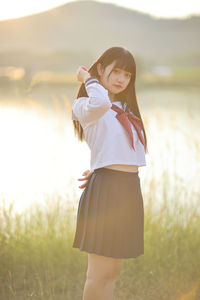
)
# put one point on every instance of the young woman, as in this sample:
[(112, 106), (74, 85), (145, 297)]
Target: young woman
[(110, 217)]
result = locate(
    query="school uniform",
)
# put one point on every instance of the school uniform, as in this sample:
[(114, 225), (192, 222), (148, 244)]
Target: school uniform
[(110, 217)]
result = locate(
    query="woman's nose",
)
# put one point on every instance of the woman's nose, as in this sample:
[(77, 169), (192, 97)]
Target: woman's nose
[(121, 78)]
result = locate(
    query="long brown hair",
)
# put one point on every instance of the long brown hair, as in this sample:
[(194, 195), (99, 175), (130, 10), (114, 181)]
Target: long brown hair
[(123, 60)]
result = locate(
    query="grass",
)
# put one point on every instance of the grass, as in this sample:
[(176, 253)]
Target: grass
[(37, 260)]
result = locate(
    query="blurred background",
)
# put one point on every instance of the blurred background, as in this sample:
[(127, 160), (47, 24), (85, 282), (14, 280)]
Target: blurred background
[(41, 46)]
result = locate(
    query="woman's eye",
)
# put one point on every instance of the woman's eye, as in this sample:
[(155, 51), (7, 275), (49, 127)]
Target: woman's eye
[(128, 75)]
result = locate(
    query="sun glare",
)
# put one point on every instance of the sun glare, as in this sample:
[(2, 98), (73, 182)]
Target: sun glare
[(23, 8), (155, 8), (37, 157)]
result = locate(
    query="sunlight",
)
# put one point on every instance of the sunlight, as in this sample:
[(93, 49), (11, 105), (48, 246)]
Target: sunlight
[(155, 8), (36, 157), (22, 8)]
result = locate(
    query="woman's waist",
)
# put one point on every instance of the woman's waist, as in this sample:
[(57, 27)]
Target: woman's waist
[(121, 167)]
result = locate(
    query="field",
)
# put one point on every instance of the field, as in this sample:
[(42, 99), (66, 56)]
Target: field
[(37, 260)]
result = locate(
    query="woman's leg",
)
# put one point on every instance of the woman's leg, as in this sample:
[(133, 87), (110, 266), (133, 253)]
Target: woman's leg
[(101, 275)]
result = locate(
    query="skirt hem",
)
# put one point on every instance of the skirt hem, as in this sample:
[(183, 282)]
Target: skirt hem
[(106, 255)]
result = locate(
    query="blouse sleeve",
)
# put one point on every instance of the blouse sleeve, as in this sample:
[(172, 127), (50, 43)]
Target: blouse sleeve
[(89, 109)]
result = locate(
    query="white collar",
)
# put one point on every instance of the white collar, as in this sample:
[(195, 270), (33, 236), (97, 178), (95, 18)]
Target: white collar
[(118, 103)]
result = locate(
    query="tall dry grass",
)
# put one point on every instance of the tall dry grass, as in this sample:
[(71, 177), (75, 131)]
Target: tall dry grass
[(37, 260)]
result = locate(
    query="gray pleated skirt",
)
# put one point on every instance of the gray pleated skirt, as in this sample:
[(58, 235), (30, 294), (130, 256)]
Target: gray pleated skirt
[(110, 217)]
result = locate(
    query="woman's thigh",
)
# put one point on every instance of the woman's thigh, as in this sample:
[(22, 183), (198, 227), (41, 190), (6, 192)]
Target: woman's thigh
[(102, 266)]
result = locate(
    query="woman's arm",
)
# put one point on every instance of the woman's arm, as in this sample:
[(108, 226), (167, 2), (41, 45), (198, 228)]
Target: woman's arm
[(91, 108)]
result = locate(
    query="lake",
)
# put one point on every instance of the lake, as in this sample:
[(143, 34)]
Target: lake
[(40, 157)]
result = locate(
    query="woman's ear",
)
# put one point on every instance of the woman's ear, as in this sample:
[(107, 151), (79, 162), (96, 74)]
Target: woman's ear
[(99, 69)]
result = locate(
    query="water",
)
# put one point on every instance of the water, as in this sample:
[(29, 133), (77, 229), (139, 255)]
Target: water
[(40, 155)]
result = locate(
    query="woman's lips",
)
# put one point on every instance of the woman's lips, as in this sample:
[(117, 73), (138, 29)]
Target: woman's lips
[(118, 86)]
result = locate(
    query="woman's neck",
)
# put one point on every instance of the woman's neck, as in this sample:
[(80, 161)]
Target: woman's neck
[(112, 97)]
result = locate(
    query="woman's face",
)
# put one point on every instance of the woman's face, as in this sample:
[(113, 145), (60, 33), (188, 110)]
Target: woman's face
[(116, 82)]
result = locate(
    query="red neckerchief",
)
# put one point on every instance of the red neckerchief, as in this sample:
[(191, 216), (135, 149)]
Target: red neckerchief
[(124, 117)]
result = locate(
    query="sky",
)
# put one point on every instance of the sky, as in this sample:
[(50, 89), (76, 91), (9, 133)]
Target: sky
[(156, 8)]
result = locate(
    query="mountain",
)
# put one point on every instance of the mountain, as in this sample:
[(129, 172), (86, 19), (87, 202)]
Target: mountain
[(90, 27)]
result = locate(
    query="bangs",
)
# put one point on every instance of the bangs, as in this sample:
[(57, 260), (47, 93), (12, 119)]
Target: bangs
[(126, 63)]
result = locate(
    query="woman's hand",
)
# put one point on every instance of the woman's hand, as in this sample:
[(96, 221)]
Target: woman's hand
[(87, 175), (82, 74)]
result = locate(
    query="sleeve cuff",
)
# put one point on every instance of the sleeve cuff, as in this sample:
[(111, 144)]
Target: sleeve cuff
[(91, 80)]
